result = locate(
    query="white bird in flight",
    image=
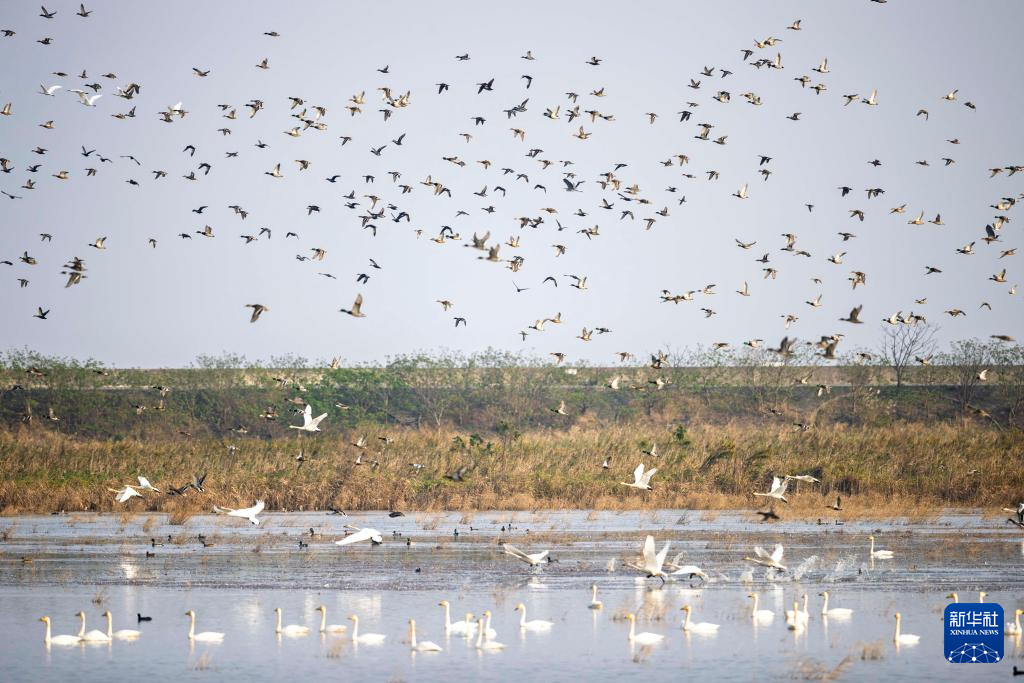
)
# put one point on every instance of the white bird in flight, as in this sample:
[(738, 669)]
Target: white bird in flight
[(367, 534), (309, 423), (244, 513), (531, 559), (641, 479)]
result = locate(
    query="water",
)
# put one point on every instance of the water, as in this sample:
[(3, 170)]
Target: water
[(235, 584)]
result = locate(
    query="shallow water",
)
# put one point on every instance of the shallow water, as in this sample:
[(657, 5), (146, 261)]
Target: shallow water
[(247, 571)]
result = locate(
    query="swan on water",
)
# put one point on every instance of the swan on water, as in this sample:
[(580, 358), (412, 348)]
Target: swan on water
[(1014, 628), (457, 627), (366, 638), (332, 628), (422, 646), (903, 638), (290, 629), (483, 643), (879, 554), (205, 636), (803, 615), (761, 615), (58, 640), (793, 620), (704, 627), (536, 624), (835, 612), (123, 634), (93, 636), (644, 637), (594, 602)]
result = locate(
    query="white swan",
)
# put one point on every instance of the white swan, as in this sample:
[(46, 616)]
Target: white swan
[(125, 494), (793, 620), (1014, 628), (58, 640), (290, 629), (244, 513), (801, 614), (93, 636), (49, 90), (85, 99), (123, 634), (981, 596), (644, 637), (652, 563), (879, 554), (702, 627), (367, 534), (777, 491), (488, 631), (146, 486), (309, 423), (903, 638), (532, 559), (366, 638), (205, 636), (641, 479), (423, 646), (760, 615), (594, 602), (765, 560), (332, 628), (481, 642), (955, 596), (462, 628), (536, 624), (835, 612)]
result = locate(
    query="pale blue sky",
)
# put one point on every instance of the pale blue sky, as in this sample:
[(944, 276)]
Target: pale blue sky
[(162, 307)]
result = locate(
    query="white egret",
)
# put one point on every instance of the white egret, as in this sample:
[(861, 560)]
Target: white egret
[(309, 423), (702, 627), (332, 628), (58, 640), (903, 638), (245, 513), (835, 612), (290, 629), (422, 646), (536, 624), (644, 637), (366, 638), (205, 636), (123, 634)]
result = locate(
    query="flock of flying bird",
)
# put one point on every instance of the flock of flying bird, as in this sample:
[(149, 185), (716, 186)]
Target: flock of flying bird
[(378, 206)]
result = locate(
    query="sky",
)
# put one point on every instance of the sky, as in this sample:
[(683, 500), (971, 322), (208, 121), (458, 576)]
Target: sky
[(146, 307)]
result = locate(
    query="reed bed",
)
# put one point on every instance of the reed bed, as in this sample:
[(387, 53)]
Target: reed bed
[(910, 469)]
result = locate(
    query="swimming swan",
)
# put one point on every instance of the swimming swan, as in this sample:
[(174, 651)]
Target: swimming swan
[(761, 615), (835, 612), (536, 624), (481, 643), (904, 638), (1014, 628), (644, 637), (93, 636), (205, 636), (366, 638), (58, 640), (333, 628), (703, 627), (879, 554), (594, 602), (123, 634), (462, 628), (424, 646), (290, 629)]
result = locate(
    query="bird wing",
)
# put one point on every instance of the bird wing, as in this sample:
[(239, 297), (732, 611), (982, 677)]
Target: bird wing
[(777, 553), (776, 485), (316, 420), (646, 479), (760, 552), (638, 473), (516, 552), (307, 415), (649, 557), (660, 559)]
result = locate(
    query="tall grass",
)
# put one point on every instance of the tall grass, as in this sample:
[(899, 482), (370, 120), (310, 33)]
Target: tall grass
[(908, 467)]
